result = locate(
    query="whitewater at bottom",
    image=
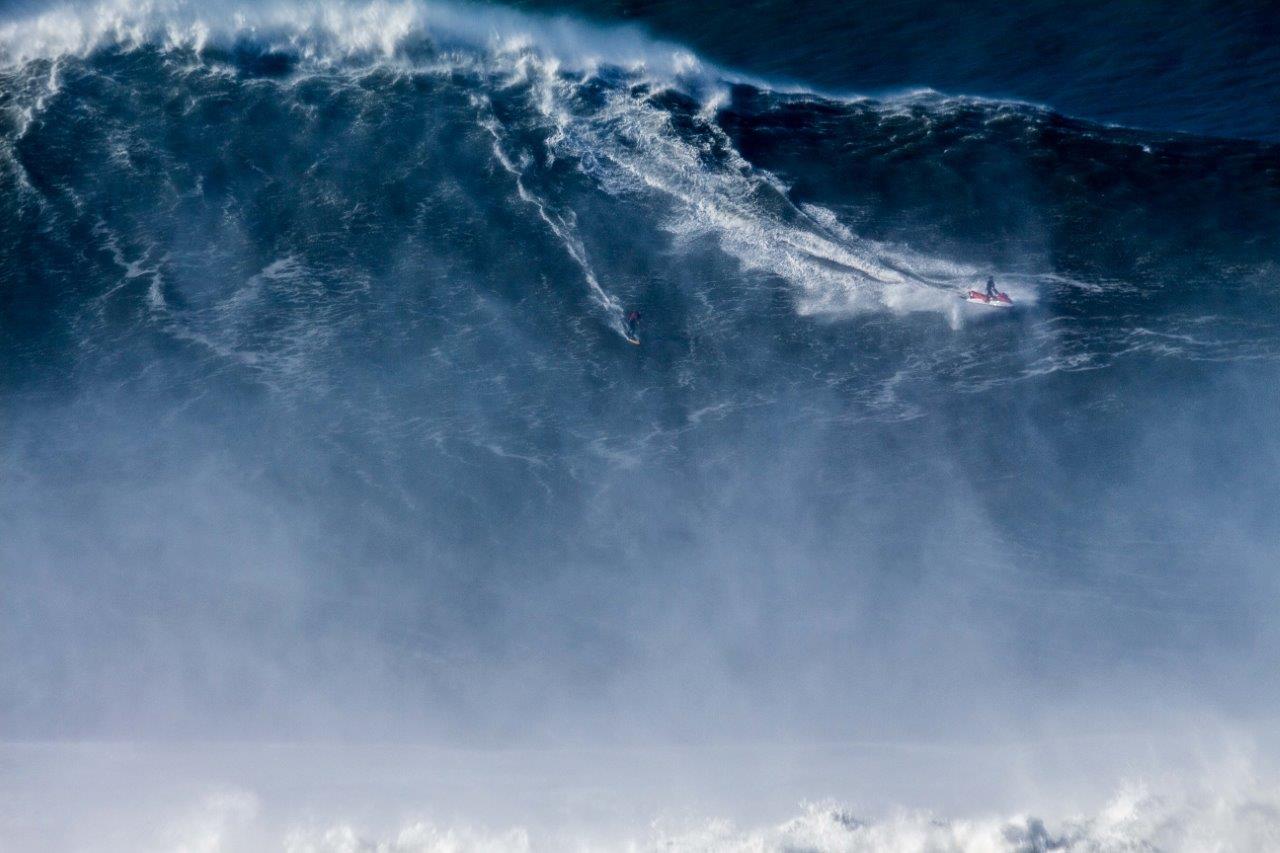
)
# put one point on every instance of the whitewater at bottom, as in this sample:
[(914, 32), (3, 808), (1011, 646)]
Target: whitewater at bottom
[(407, 799)]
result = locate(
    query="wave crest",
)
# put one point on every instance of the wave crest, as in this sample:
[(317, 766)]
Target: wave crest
[(330, 31)]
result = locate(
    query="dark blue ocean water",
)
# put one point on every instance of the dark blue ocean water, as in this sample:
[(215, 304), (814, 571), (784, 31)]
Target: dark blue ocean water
[(317, 419), (1210, 68)]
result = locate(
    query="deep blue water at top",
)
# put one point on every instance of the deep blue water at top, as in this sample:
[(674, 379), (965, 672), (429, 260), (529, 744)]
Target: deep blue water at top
[(1198, 66)]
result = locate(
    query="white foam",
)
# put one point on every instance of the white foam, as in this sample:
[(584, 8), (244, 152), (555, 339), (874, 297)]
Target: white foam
[(333, 30), (630, 146), (1241, 818), (416, 837)]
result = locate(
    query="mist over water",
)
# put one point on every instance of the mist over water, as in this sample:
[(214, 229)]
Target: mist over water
[(338, 512)]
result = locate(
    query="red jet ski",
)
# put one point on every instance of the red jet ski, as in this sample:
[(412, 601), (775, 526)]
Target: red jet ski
[(1000, 300)]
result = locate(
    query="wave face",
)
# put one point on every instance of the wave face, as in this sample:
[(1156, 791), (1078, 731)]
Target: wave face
[(319, 422)]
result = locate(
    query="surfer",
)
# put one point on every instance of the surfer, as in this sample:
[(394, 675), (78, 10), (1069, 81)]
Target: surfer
[(992, 293), (633, 321)]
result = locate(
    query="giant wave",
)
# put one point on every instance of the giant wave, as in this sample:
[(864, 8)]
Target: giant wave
[(318, 426)]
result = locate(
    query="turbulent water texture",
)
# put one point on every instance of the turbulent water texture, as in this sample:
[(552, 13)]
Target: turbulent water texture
[(317, 420)]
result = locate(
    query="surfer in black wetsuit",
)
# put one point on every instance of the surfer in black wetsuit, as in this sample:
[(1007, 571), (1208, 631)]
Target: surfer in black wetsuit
[(992, 293), (633, 321)]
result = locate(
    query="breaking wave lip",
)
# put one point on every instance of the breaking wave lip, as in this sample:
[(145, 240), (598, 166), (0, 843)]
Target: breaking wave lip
[(333, 31), (385, 28)]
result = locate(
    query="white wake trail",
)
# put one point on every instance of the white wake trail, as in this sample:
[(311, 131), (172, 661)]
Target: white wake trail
[(563, 226)]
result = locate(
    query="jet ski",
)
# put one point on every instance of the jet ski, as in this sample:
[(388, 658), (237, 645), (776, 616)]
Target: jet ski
[(1000, 300)]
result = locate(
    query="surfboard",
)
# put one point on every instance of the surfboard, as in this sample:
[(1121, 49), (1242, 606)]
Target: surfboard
[(632, 340)]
